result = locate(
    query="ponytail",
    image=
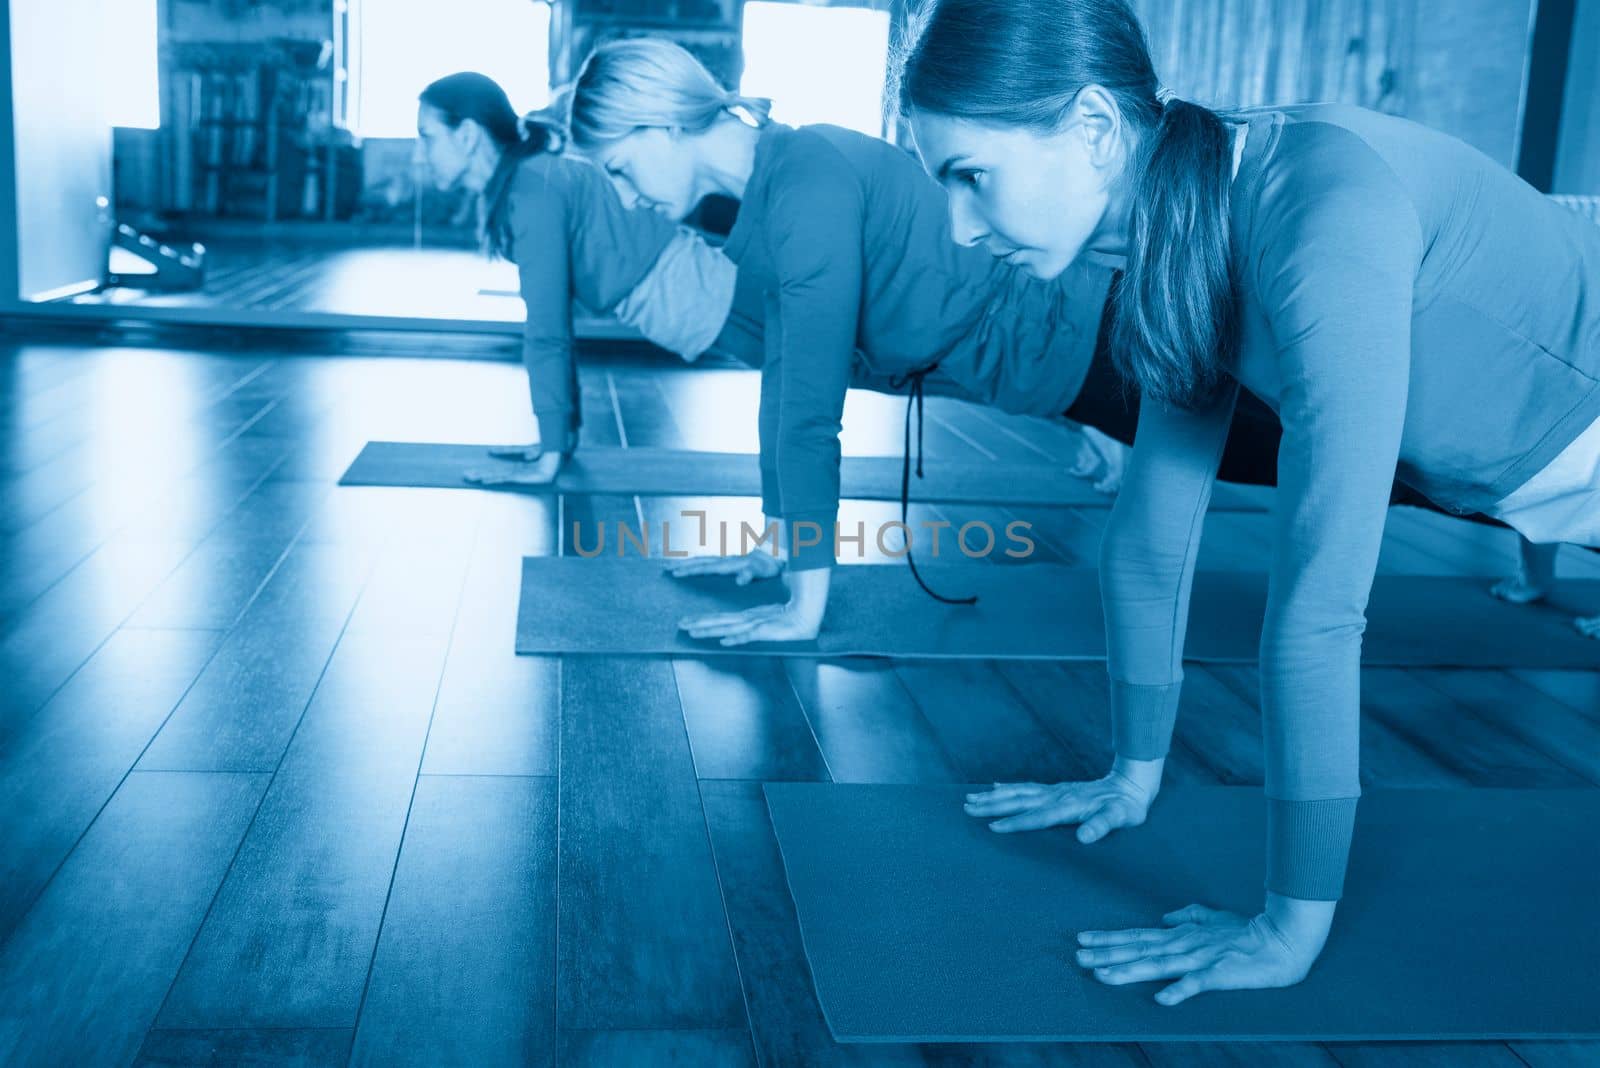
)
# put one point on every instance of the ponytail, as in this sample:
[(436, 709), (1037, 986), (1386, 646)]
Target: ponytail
[(755, 110), (649, 82), (1176, 316), (536, 136)]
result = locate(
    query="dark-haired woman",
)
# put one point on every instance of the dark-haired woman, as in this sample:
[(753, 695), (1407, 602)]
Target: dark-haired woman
[(1402, 302), (562, 223)]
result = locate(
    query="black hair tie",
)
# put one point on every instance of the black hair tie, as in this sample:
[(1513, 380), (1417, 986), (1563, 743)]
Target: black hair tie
[(914, 399)]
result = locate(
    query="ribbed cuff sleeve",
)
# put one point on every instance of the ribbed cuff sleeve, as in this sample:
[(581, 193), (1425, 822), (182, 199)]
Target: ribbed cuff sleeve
[(818, 527), (1142, 718), (1308, 847), (558, 429)]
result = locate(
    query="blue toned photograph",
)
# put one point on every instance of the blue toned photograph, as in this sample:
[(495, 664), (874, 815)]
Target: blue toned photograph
[(786, 533)]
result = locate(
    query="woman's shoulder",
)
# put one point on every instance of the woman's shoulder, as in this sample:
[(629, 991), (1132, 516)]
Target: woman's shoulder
[(822, 160), (1318, 147), (1318, 169), (543, 169)]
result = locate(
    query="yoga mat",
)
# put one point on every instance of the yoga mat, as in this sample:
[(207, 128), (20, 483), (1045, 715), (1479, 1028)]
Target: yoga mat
[(677, 473), (1468, 914), (612, 605)]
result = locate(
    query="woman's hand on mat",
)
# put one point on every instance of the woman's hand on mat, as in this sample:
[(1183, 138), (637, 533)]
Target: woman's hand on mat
[(765, 623), (1098, 808), (1206, 949), (751, 567), (540, 471), (797, 620), (522, 454)]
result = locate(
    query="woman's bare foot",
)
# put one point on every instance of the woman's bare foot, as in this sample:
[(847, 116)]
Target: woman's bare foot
[(1536, 574)]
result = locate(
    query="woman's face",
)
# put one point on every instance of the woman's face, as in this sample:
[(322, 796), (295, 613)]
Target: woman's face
[(445, 149), (1031, 199), (653, 168)]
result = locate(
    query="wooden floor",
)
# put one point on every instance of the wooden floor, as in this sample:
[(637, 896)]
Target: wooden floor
[(283, 274), (274, 789)]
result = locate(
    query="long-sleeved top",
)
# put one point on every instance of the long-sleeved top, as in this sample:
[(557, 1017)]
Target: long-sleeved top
[(571, 237), (1406, 303), (848, 242)]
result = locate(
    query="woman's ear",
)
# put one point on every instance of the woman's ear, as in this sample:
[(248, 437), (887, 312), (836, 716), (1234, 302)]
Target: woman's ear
[(468, 134), (1094, 112)]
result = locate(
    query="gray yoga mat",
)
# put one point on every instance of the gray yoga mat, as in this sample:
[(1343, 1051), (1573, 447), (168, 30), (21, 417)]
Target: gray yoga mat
[(677, 473), (612, 605), (1468, 914)]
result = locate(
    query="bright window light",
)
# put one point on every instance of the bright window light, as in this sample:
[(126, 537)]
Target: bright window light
[(131, 76), (403, 45), (817, 64)]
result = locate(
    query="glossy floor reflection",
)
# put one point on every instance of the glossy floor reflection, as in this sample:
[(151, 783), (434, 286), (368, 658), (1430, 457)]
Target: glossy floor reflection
[(274, 789), (275, 279)]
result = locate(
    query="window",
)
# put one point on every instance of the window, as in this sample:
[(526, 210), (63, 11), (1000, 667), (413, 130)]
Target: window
[(818, 64), (396, 47), (132, 78)]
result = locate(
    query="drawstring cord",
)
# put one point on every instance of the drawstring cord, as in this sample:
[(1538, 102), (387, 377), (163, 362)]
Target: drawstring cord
[(914, 400)]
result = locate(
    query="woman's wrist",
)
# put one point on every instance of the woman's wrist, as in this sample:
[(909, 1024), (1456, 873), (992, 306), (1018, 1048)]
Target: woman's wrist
[(1144, 774), (808, 593), (1304, 923)]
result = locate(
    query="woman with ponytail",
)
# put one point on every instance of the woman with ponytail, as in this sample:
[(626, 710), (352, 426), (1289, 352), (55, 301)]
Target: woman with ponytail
[(1401, 301), (845, 241), (571, 237)]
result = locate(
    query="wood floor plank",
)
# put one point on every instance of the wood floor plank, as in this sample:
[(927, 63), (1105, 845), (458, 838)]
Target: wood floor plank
[(1063, 531), (983, 724), (744, 721), (60, 631), (481, 851), (1424, 1055), (714, 409), (54, 551), (993, 439), (1479, 752), (291, 935), (212, 587), (83, 976), (497, 712), (867, 726), (1388, 758), (1237, 1055), (1049, 438), (647, 419), (1557, 1054), (244, 707), (1565, 735), (643, 940), (381, 515), (1578, 690), (258, 1048), (1073, 702), (728, 1048), (58, 771)]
